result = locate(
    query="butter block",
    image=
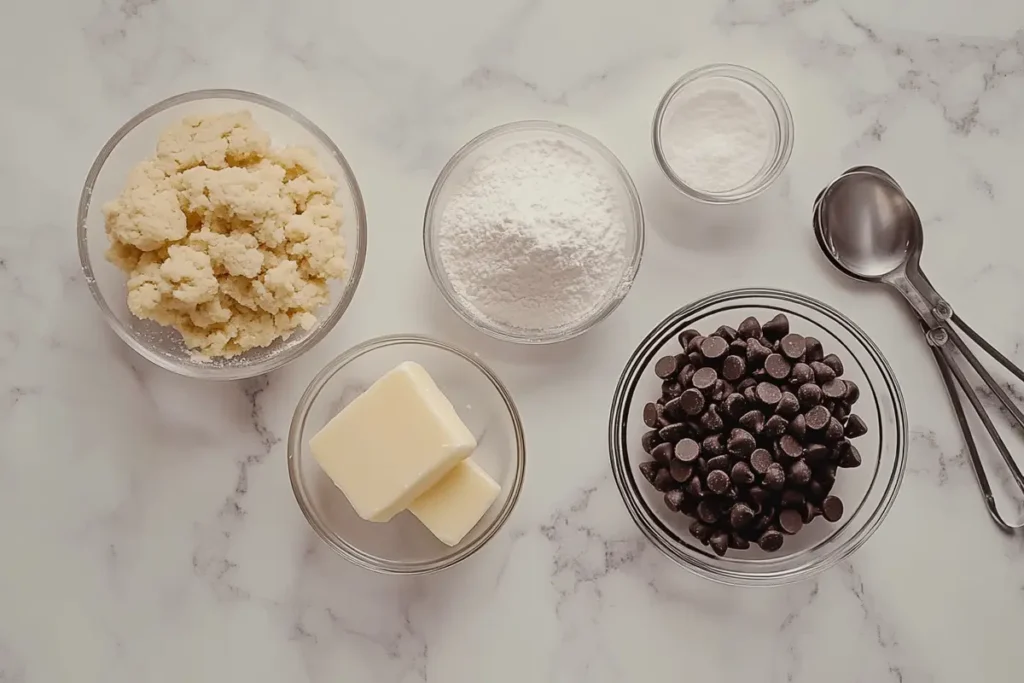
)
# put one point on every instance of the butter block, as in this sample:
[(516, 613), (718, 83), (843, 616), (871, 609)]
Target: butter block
[(392, 443), (454, 506)]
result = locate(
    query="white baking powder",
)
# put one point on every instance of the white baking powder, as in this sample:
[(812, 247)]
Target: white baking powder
[(534, 237), (716, 140)]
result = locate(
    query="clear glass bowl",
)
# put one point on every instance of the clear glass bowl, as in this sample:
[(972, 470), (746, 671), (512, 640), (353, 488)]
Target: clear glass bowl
[(867, 491), (491, 142), (403, 545), (757, 90), (135, 141)]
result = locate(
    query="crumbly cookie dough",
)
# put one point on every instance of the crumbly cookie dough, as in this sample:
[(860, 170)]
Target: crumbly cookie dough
[(225, 238)]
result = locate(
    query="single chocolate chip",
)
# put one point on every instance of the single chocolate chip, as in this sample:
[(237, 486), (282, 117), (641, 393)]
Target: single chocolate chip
[(856, 427), (852, 392), (799, 473), (776, 328), (685, 376), (750, 328), (791, 521), (816, 491), (822, 372), (741, 442), (663, 481), (649, 440), (757, 353), (667, 367), (834, 389), (841, 412), (695, 489), (711, 421), (770, 541), (792, 498), (741, 515), (686, 335), (760, 460), (793, 346), (650, 470), (832, 360), (720, 390), (750, 393), (788, 406), (801, 374), (693, 346), (670, 389), (673, 409), (738, 348), (687, 450), (742, 474), (674, 500), (817, 418), (680, 470), (849, 456), (832, 509), (718, 481), (734, 405), (746, 384), (834, 430), (798, 427), (809, 511), (775, 427), (714, 347), (713, 445), (701, 531), (719, 462), (768, 393), (737, 542), (814, 350), (719, 542), (707, 512), (733, 368), (652, 411), (752, 421), (816, 453), (790, 447), (727, 333), (809, 395), (674, 432), (692, 401), (757, 496), (662, 453), (777, 367), (827, 476), (696, 360), (704, 379), (775, 477)]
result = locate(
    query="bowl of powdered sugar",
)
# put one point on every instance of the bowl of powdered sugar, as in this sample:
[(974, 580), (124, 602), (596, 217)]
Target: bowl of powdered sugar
[(533, 232), (723, 133)]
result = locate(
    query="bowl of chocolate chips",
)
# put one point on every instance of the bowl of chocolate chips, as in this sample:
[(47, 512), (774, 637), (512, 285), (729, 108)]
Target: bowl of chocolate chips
[(758, 437)]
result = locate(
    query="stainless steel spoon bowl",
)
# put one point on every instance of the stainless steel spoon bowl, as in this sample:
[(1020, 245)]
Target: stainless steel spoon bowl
[(869, 230)]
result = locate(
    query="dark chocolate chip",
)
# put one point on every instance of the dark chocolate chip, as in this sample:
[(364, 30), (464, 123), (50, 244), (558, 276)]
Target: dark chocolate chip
[(685, 376), (670, 389), (696, 360), (822, 372), (693, 346), (741, 515), (737, 542), (852, 392), (649, 440), (673, 409), (733, 368), (687, 450), (704, 379), (849, 456), (788, 406), (719, 542), (667, 367), (711, 421), (799, 473), (832, 509), (686, 335), (674, 500), (790, 447), (816, 453), (663, 481), (692, 402), (775, 477), (775, 427), (662, 453), (856, 427), (713, 445), (718, 481), (770, 541), (649, 470), (777, 366), (742, 474), (791, 521), (738, 347), (809, 395), (792, 498), (816, 491), (827, 476), (768, 393), (760, 460), (798, 427), (714, 347), (841, 411), (750, 393), (832, 360), (801, 374), (746, 384), (757, 353), (734, 405), (814, 350), (809, 512), (719, 462), (652, 411), (741, 442), (757, 496), (720, 390), (793, 346), (750, 328), (727, 333), (701, 531), (674, 432), (834, 430), (695, 489), (817, 418), (752, 421), (776, 328), (834, 389), (707, 512)]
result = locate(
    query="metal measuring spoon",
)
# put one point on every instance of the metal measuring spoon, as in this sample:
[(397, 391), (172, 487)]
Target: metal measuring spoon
[(869, 230)]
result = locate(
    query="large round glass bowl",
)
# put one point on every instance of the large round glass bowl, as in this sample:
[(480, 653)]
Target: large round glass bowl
[(867, 491), (135, 141), (492, 143), (403, 545)]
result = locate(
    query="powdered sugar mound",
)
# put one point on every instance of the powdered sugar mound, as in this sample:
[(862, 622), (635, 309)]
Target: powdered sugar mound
[(535, 237)]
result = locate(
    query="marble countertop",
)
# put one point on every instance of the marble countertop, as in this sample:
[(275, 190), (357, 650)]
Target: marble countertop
[(147, 525)]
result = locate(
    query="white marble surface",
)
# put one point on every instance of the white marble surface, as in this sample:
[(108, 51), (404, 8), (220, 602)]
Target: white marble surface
[(147, 528)]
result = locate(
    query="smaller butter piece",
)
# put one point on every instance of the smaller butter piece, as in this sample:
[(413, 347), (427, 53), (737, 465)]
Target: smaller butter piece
[(456, 503)]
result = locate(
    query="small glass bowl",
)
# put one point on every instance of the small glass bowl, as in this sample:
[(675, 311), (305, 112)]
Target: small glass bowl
[(403, 545), (757, 90), (136, 141), (867, 491), (487, 144)]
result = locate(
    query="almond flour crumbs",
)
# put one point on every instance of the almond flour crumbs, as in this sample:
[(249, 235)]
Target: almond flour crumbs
[(226, 239)]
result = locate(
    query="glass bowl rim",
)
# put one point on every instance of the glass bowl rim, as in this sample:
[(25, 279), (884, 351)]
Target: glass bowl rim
[(619, 460), (772, 96), (441, 280), (285, 356), (295, 443)]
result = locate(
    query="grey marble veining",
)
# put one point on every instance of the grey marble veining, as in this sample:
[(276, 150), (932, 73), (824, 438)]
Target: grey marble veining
[(148, 528)]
